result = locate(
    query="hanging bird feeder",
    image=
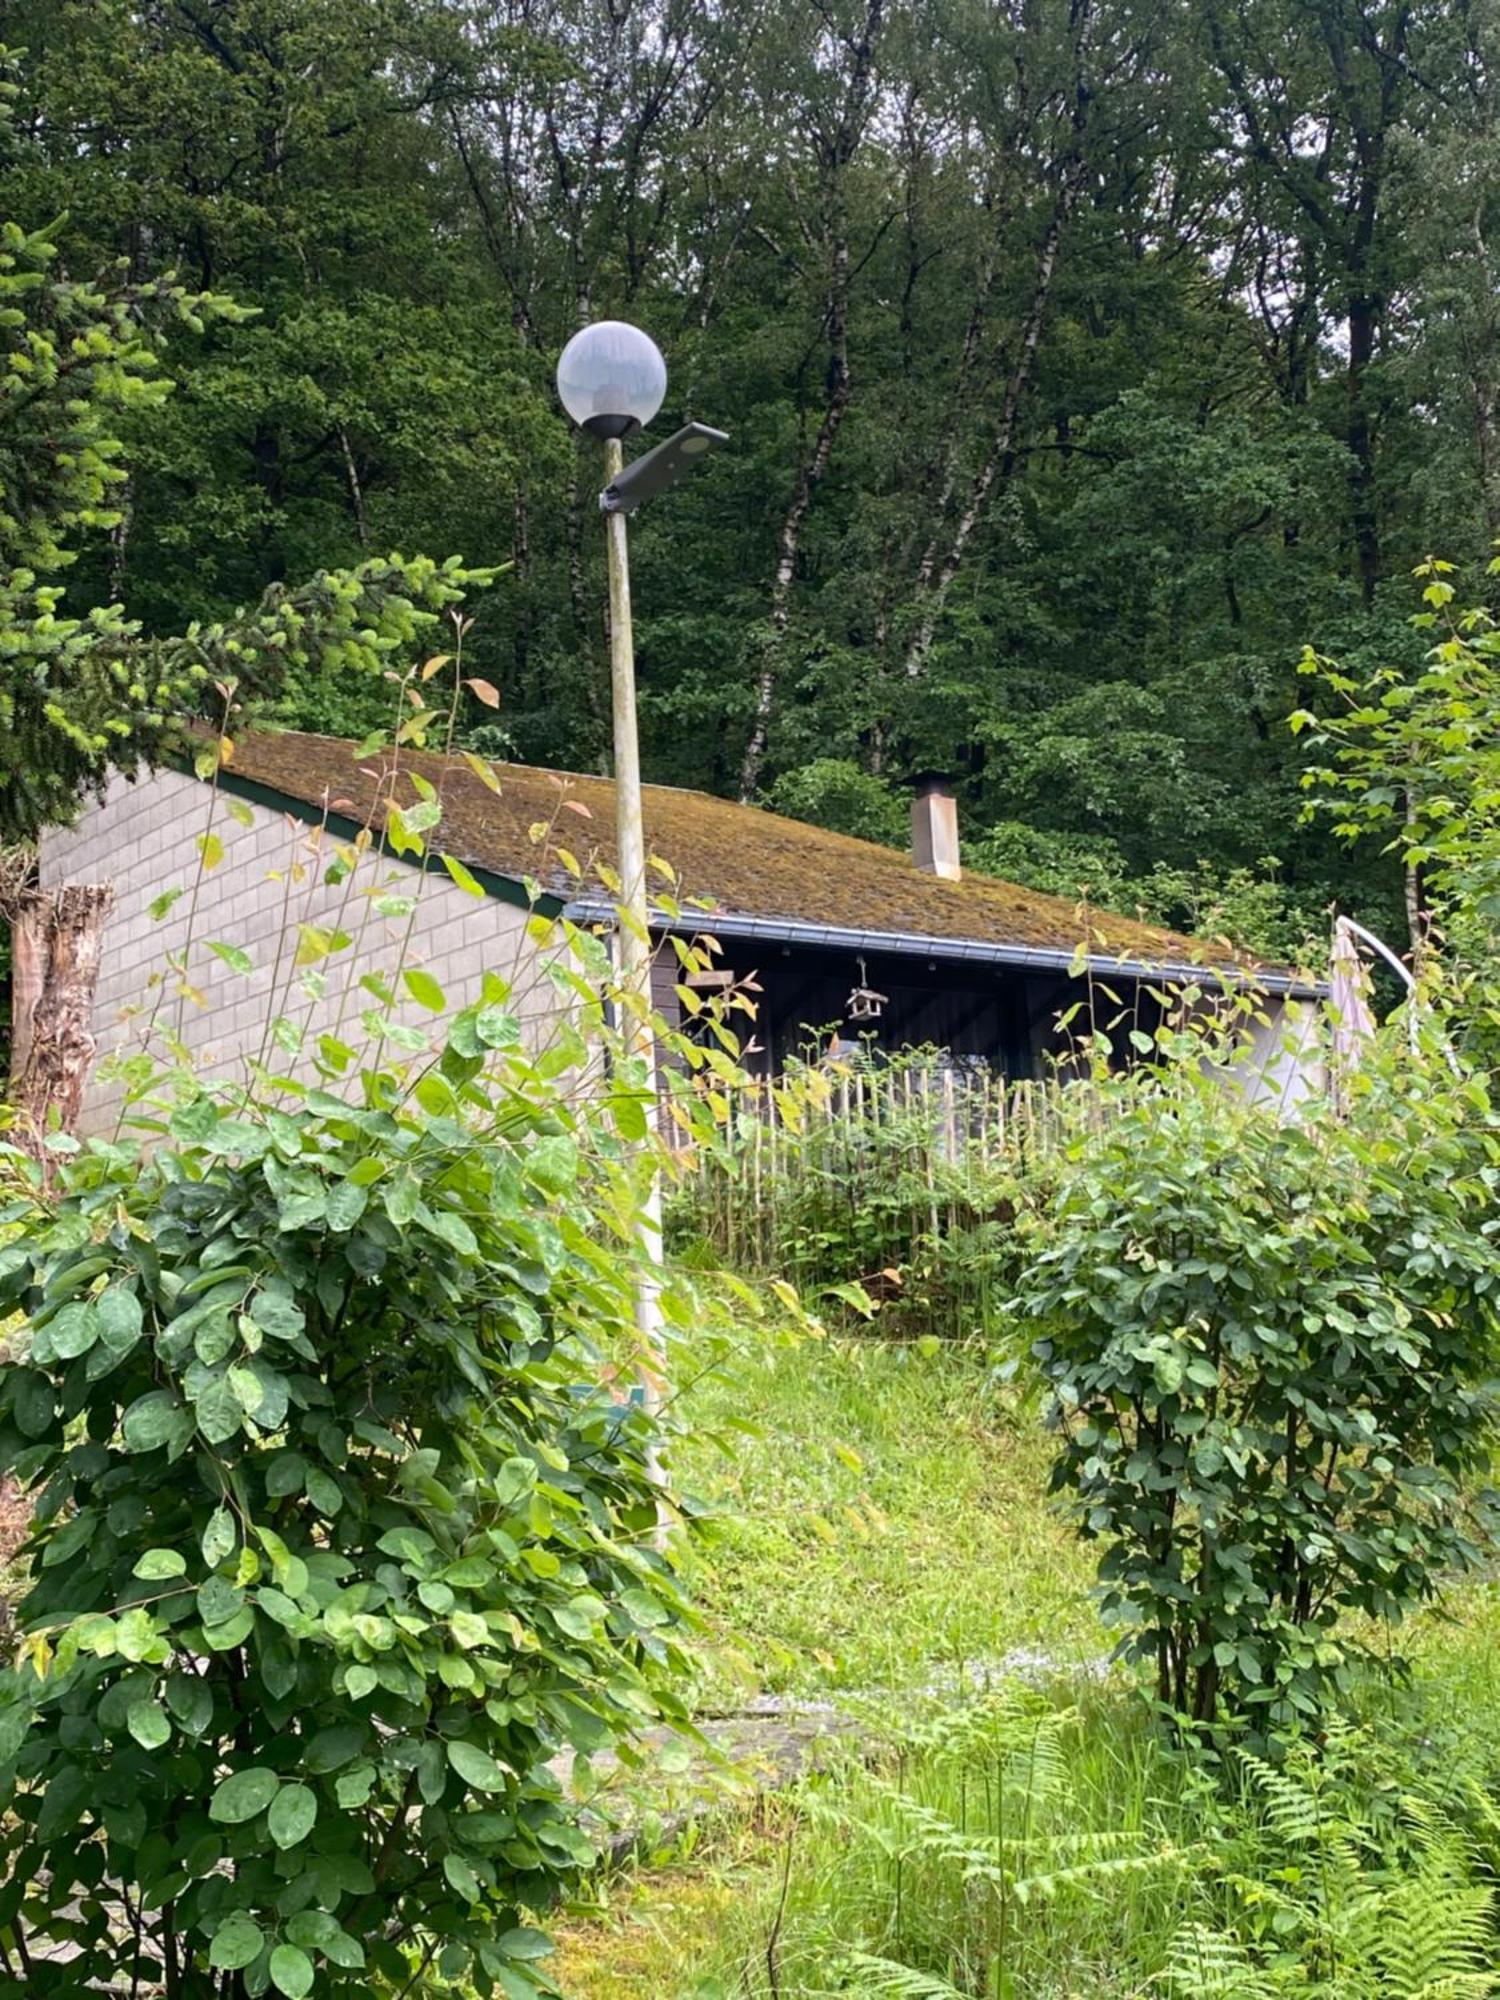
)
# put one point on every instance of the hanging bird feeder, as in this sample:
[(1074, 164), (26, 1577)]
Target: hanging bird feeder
[(864, 1003)]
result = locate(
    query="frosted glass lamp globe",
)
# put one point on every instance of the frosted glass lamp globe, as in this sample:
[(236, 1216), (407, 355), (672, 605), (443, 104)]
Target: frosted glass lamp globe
[(611, 378)]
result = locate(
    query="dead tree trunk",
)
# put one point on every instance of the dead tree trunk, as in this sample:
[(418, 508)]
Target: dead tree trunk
[(57, 941)]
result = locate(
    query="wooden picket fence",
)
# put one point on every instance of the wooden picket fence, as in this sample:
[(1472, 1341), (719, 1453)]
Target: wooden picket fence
[(858, 1168)]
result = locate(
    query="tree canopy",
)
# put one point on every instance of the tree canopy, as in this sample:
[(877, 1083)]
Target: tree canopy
[(1082, 362)]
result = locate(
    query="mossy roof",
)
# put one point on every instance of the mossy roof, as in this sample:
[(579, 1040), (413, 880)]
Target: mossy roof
[(746, 862)]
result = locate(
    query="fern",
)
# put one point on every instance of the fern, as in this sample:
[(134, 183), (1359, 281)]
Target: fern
[(1291, 1796), (1210, 1966), (1388, 1908), (1437, 1921), (900, 1982)]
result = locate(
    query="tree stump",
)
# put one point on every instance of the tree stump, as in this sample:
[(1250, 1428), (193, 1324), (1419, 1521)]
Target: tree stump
[(57, 940)]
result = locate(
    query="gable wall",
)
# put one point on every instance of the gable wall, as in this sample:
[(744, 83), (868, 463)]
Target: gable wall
[(144, 838)]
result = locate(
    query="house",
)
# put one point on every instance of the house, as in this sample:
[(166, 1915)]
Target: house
[(838, 935)]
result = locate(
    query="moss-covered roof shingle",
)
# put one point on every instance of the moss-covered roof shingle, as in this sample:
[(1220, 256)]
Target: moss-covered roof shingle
[(748, 862)]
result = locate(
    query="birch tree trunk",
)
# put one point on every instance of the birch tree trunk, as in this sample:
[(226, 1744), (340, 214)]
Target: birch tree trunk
[(934, 578), (789, 541), (58, 937), (835, 142)]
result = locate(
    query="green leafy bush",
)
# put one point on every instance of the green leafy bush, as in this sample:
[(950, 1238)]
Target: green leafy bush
[(1266, 1344), (341, 1534)]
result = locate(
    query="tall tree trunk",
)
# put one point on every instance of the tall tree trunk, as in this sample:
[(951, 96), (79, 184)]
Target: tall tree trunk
[(789, 541), (58, 937), (835, 145), (1364, 320), (934, 578)]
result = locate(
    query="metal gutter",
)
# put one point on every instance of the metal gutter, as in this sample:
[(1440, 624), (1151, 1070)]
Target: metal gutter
[(973, 951)]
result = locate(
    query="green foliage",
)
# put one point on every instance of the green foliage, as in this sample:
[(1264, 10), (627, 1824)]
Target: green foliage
[(1113, 546), (1341, 1878), (1359, 1867), (81, 366), (1250, 906), (1413, 760), (834, 792), (1268, 1402), (1009, 1842), (340, 1534), (889, 1186), (877, 1525)]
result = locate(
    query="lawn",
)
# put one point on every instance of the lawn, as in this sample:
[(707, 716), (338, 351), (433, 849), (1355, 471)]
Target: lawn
[(884, 1525)]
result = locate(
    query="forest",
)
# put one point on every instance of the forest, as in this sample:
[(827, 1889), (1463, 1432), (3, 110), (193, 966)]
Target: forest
[(1083, 361)]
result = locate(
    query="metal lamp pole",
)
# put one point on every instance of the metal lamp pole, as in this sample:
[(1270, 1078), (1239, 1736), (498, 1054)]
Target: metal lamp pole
[(633, 933), (611, 380)]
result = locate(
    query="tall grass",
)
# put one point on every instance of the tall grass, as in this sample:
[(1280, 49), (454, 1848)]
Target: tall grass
[(1027, 1846)]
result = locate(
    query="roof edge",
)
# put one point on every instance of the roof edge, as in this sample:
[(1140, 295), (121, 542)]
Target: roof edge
[(1034, 958)]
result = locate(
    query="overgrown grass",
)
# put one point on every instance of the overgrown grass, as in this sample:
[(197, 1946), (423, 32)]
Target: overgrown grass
[(885, 1528), (1056, 1846), (1027, 1844)]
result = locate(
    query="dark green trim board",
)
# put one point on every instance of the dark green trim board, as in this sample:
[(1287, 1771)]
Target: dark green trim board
[(504, 888)]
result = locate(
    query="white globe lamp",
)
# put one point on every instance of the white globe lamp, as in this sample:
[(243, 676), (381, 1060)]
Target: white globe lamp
[(611, 378)]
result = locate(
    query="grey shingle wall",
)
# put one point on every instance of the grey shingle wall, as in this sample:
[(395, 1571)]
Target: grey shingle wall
[(144, 838)]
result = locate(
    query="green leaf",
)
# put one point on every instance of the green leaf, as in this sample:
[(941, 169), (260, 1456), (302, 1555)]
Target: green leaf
[(218, 1410), (191, 1701), (232, 1632), (316, 1930), (629, 1113), (335, 1746), (579, 1616), (73, 1331), (424, 989), (461, 876), (236, 959), (476, 1767), (120, 1319), (291, 1971), (448, 1228), (238, 1942), (33, 1402), (346, 1204), (220, 1538), (156, 1565), (323, 1491), (461, 1877), (148, 1724), (293, 1815), (643, 1608), (244, 1794), (469, 1629), (497, 1028), (152, 1420), (526, 1944)]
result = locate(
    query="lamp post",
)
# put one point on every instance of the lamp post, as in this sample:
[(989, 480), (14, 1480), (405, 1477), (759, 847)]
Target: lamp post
[(611, 380)]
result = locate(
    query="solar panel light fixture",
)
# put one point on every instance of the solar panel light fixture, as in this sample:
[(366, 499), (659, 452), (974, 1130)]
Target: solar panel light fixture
[(655, 470)]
